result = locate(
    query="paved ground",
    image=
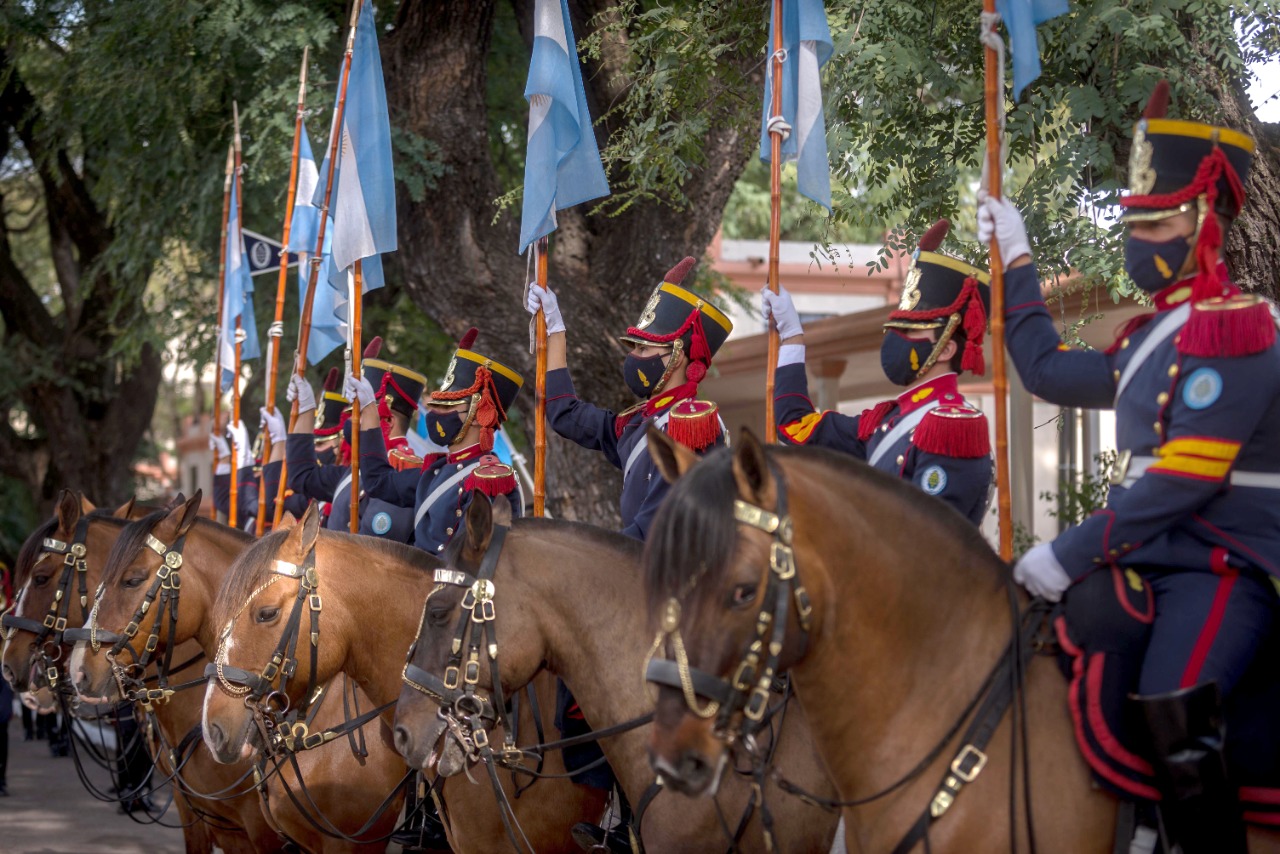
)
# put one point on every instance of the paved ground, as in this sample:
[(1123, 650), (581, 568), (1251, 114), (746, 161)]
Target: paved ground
[(48, 810)]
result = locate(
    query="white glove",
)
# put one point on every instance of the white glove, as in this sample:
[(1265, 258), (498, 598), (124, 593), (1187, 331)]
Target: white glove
[(1039, 571), (274, 424), (545, 300), (221, 453), (783, 311), (1001, 218), (244, 450), (358, 388), (300, 390)]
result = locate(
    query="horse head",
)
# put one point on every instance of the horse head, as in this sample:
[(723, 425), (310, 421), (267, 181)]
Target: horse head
[(447, 703), (730, 612), (136, 606)]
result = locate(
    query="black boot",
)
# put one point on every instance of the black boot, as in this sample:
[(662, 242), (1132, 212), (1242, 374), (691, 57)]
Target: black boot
[(617, 840), (1200, 805), (423, 830)]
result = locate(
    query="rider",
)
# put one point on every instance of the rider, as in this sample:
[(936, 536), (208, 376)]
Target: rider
[(328, 433), (928, 435), (1193, 507), (671, 345), (246, 474)]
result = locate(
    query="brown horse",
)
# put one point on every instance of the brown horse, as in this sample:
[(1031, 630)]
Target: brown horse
[(905, 622), (372, 593), (565, 597), (207, 551)]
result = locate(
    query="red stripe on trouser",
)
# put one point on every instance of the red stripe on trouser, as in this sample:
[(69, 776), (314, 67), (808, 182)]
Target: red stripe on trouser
[(1208, 634)]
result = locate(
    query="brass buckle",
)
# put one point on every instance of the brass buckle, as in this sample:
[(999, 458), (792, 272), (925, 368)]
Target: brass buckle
[(782, 560), (60, 624), (758, 701), (472, 674), (314, 601), (480, 736), (451, 674), (979, 762), (1121, 468)]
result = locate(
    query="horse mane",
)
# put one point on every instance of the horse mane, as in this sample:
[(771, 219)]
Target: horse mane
[(694, 533), (32, 546), (601, 536), (134, 537)]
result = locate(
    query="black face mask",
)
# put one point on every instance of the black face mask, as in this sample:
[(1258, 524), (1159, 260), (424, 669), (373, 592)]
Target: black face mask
[(643, 375), (346, 431), (1154, 265), (327, 457), (902, 357), (443, 429)]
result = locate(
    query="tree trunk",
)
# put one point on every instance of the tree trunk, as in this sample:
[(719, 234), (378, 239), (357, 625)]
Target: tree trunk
[(463, 269)]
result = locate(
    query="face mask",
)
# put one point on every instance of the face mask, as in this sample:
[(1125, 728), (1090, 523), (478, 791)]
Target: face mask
[(902, 357), (443, 429), (643, 375), (1153, 265), (326, 457), (346, 431)]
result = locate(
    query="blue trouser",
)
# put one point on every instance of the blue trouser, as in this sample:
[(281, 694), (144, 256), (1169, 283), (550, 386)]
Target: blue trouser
[(571, 723), (1209, 626)]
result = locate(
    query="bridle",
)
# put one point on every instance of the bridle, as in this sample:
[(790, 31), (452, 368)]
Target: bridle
[(51, 631), (457, 692), (749, 688)]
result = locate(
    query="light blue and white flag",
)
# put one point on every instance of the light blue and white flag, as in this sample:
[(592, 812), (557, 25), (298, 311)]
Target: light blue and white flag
[(806, 41), (1021, 17), (562, 167), (328, 330), (237, 297), (306, 215)]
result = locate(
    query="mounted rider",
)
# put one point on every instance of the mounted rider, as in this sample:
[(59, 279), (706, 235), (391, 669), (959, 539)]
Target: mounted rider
[(928, 435), (1193, 508), (246, 472)]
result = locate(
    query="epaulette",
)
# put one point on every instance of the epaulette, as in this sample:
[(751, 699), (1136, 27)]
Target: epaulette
[(492, 477), (1222, 327), (872, 417), (403, 460), (694, 424), (430, 459), (953, 431)]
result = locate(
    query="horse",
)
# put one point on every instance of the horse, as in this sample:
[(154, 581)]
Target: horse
[(179, 552), (564, 597), (65, 555), (891, 633), (372, 593)]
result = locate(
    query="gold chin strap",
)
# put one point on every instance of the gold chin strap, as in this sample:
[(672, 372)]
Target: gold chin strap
[(943, 338)]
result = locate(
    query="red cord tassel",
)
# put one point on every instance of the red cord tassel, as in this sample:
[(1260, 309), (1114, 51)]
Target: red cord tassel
[(492, 477), (694, 424), (872, 417), (954, 431), (1239, 325)]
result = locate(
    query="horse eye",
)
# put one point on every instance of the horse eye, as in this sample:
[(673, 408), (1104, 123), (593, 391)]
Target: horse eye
[(438, 617), (41, 580), (132, 583), (267, 614), (743, 594)]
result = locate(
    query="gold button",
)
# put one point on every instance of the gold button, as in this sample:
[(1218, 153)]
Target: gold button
[(1125, 546), (449, 531), (458, 513), (440, 547), (900, 459), (1116, 374), (1173, 370), (1162, 398), (1124, 344), (1114, 552), (1159, 427)]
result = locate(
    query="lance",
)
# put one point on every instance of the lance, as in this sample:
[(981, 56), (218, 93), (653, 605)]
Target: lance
[(357, 298), (282, 283), (222, 288), (992, 94), (540, 390), (232, 515), (776, 130), (304, 323)]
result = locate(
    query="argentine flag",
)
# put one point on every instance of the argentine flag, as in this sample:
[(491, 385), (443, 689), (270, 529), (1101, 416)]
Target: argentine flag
[(328, 331), (306, 216), (563, 165), (1021, 17), (806, 39), (237, 297)]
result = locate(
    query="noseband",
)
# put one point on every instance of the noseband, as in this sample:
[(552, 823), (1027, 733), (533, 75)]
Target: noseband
[(749, 688), (456, 693), (54, 624)]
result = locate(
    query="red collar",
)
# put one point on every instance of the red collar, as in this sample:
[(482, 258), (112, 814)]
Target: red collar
[(1181, 291), (395, 443), (467, 453), (942, 388)]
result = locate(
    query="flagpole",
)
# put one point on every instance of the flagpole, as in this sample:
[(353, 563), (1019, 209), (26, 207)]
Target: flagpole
[(304, 323), (282, 283), (992, 93), (222, 288), (540, 389), (233, 517), (775, 215), (357, 351)]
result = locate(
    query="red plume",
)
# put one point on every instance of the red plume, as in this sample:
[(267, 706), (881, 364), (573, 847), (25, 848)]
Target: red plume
[(932, 239), (1158, 105), (331, 381), (374, 348), (468, 339), (677, 273)]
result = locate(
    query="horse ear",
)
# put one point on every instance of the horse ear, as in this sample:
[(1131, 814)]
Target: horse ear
[(751, 470), (86, 506), (187, 513), (68, 509), (479, 525), (178, 501), (287, 521), (671, 458), (293, 544), (124, 510), (501, 512), (309, 528)]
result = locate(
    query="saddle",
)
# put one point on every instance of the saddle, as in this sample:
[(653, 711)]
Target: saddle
[(1103, 626)]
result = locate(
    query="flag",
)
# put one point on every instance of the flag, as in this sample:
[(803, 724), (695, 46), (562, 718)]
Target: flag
[(1021, 17), (807, 42), (328, 331), (563, 165), (263, 254), (364, 198), (237, 297), (306, 216)]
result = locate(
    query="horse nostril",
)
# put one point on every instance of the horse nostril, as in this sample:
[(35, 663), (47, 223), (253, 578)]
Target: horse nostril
[(218, 737), (402, 740), (693, 767)]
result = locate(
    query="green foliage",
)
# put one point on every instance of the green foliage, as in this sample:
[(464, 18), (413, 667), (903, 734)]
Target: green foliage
[(1076, 500), (746, 216)]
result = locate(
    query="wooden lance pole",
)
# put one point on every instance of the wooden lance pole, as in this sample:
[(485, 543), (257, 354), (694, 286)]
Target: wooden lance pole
[(994, 101), (233, 518), (222, 292), (775, 214), (540, 390), (357, 351), (317, 257), (282, 284)]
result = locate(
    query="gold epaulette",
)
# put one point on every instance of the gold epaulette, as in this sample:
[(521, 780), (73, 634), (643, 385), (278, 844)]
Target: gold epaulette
[(694, 424), (1223, 327)]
